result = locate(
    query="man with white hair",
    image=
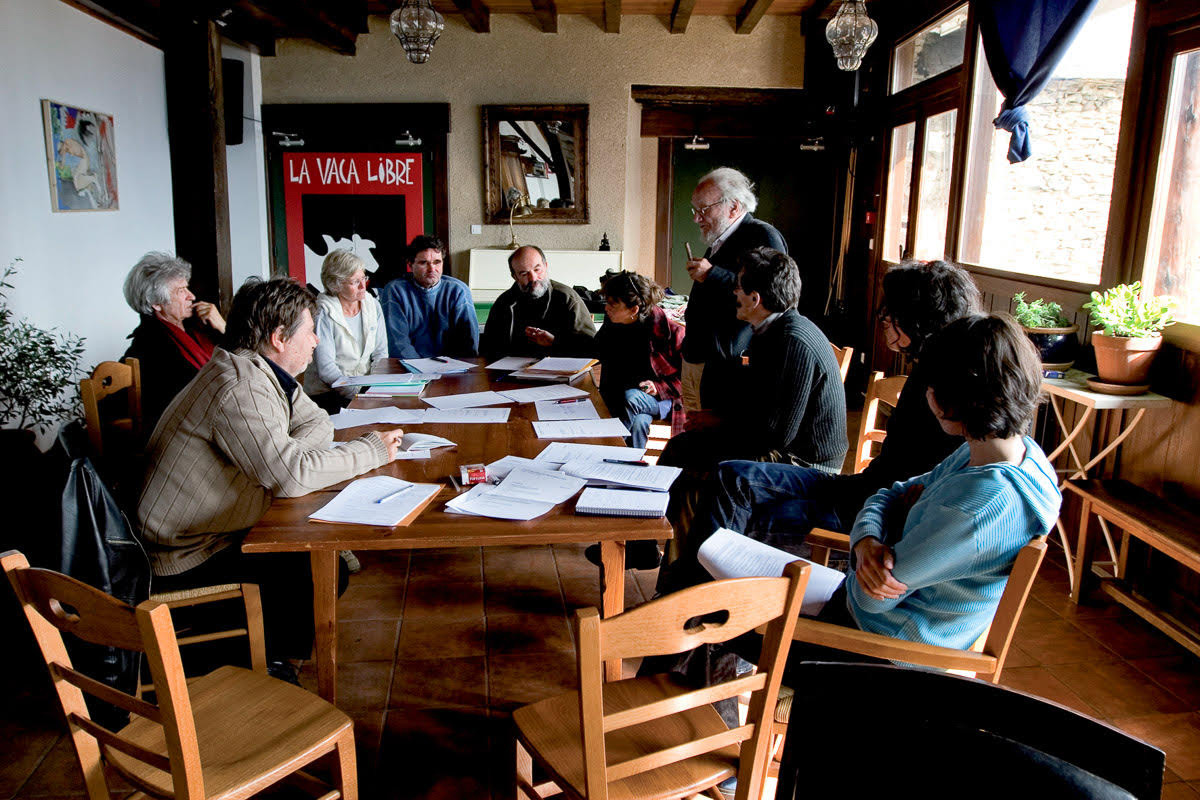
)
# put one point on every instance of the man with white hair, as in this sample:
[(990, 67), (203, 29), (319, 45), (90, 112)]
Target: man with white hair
[(722, 206)]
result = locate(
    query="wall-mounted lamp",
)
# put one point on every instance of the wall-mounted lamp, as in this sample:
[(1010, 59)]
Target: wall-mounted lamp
[(518, 207), (407, 140), (850, 33), (287, 139), (696, 144)]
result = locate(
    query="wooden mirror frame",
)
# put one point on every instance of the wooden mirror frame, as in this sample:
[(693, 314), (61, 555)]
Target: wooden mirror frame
[(495, 211)]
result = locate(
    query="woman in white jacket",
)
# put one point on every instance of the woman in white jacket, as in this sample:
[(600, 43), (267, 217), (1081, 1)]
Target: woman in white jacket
[(350, 330)]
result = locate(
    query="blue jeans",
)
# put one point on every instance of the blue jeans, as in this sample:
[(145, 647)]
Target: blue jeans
[(640, 410)]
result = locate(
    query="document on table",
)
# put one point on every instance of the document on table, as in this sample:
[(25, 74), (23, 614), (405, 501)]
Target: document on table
[(468, 400), (390, 378), (510, 363), (573, 408), (482, 501), (580, 429), (398, 390), (622, 503), (556, 392), (455, 415), (654, 478), (562, 452), (499, 469), (536, 484), (567, 366), (439, 366), (360, 502), (424, 441), (728, 554), (390, 415)]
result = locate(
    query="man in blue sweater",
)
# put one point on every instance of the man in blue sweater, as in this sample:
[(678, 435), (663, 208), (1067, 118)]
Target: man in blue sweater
[(429, 314)]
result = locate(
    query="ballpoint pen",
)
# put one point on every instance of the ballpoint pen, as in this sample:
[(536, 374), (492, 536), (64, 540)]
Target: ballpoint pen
[(626, 463), (442, 359), (393, 495), (570, 400)]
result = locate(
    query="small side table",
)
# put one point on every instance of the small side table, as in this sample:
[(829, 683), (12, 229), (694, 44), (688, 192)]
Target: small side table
[(1096, 409)]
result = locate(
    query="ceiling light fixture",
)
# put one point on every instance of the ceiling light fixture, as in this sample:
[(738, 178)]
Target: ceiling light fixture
[(417, 24), (850, 33)]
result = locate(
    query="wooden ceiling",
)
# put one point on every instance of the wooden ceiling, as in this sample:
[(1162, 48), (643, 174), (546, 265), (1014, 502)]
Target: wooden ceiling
[(335, 24)]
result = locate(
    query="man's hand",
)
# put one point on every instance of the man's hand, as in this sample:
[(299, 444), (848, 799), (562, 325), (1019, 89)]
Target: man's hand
[(392, 440), (649, 388), (698, 268), (874, 571), (699, 420), (208, 314), (539, 336)]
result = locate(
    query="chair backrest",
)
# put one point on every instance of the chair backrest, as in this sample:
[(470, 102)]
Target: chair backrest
[(661, 627), (999, 636), (879, 390), (842, 355), (108, 379), (53, 603)]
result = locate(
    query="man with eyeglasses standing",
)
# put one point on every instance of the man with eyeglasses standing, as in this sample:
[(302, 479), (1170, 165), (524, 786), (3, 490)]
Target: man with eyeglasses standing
[(722, 206)]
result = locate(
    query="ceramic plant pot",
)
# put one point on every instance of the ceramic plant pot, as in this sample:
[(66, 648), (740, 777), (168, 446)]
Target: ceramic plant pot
[(1124, 360), (1057, 347)]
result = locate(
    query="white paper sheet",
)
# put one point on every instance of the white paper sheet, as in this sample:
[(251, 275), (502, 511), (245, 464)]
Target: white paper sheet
[(468, 400), (622, 503), (457, 415), (571, 408), (439, 366), (404, 390), (559, 364), (510, 363), (359, 502), (499, 469), (580, 429), (562, 452), (556, 392), (411, 455), (390, 415), (728, 554), (424, 441), (483, 502), (391, 378), (658, 479), (539, 485)]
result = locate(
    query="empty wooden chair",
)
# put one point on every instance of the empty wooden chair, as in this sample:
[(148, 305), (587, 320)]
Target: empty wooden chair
[(112, 410), (229, 734), (654, 737), (843, 355)]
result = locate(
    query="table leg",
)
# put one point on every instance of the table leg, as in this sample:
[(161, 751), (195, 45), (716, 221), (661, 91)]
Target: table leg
[(325, 574), (1083, 555), (612, 599)]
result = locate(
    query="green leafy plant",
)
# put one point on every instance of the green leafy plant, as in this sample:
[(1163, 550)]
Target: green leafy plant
[(1039, 313), (37, 368), (1122, 311)]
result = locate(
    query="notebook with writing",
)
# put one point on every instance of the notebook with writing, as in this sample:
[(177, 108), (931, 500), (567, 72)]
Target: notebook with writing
[(622, 503)]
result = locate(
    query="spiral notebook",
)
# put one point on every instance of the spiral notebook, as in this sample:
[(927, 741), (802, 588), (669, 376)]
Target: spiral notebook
[(622, 503)]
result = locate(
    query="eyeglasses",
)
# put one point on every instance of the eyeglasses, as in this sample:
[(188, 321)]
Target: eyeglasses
[(699, 212)]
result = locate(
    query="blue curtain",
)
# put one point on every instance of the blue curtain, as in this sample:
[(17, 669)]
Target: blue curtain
[(1024, 40)]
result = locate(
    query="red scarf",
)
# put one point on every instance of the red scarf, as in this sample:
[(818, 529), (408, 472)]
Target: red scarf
[(197, 349)]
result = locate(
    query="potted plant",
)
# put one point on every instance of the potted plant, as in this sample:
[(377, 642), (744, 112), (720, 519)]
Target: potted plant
[(1128, 332), (1050, 331)]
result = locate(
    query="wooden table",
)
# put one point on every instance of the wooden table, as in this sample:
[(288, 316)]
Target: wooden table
[(286, 528)]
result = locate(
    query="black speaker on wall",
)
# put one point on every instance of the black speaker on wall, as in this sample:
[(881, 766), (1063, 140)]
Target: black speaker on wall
[(232, 74)]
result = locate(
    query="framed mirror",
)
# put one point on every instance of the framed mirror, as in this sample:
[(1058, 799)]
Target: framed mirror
[(535, 163)]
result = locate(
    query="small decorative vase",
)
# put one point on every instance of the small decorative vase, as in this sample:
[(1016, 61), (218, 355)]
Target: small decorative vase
[(1057, 347), (1124, 360)]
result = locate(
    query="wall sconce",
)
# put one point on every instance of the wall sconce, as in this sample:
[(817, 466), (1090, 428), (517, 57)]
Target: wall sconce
[(417, 24), (850, 33), (696, 143), (518, 207)]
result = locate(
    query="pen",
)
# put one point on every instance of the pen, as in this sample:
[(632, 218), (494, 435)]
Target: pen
[(570, 400), (626, 463), (393, 495), (442, 359)]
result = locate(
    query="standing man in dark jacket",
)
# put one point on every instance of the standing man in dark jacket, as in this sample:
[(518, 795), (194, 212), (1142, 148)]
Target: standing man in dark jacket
[(536, 316), (722, 206)]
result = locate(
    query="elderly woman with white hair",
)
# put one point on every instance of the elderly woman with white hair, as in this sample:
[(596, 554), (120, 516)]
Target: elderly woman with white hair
[(350, 329), (176, 335)]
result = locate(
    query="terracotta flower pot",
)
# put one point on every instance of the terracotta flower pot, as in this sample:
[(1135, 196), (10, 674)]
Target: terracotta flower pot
[(1124, 360), (1057, 347)]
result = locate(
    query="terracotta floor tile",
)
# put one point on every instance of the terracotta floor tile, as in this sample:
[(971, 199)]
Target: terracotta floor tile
[(381, 567), (445, 601), (1059, 642), (27, 745), (1018, 658), (1036, 611), (57, 774), (1170, 777), (1180, 674), (367, 640), (440, 682), (512, 634), (361, 686), (1041, 682), (1116, 689), (1177, 734), (519, 565), (446, 566), (371, 602), (368, 727), (1179, 791), (516, 680), (430, 637), (1095, 605), (514, 598), (434, 753), (1129, 635), (581, 591)]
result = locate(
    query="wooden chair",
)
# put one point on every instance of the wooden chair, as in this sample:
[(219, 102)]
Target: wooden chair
[(653, 737), (229, 734), (843, 355), (124, 427)]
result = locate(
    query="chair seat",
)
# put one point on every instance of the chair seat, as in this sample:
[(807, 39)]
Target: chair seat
[(252, 730), (550, 730)]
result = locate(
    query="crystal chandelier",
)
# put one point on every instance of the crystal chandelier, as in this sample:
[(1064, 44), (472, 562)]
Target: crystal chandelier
[(851, 32), (417, 24)]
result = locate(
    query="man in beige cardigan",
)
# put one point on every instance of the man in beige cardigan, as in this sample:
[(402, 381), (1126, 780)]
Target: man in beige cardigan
[(240, 434)]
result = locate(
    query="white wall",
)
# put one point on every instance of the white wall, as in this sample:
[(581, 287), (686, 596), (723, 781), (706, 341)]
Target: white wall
[(75, 262), (248, 227)]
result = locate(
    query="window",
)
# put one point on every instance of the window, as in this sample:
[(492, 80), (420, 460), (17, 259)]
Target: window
[(1172, 262), (1048, 216), (899, 183), (933, 190), (932, 51)]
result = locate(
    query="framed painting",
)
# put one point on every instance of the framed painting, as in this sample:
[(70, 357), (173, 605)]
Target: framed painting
[(81, 158)]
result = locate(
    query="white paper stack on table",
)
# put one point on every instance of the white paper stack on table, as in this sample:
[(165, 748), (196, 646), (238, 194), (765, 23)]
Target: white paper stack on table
[(525, 493), (415, 442), (728, 554), (389, 415), (570, 408), (441, 365), (629, 475), (562, 452), (622, 503), (467, 400), (555, 369), (380, 500), (581, 429), (510, 363), (535, 393), (400, 384), (469, 415)]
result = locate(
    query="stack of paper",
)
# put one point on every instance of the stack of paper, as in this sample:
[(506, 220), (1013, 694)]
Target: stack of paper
[(399, 390), (622, 503), (543, 393), (510, 363), (651, 478), (728, 554), (482, 501), (581, 429), (499, 469), (423, 441), (383, 379), (562, 366), (526, 492), (562, 452), (390, 415), (441, 365), (380, 500), (468, 400), (471, 415), (572, 408)]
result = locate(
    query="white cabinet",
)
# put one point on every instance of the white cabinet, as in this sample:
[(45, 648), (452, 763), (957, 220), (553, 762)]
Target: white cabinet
[(488, 275)]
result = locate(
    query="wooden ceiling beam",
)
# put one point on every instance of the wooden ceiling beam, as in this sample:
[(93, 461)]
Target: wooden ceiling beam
[(547, 15), (477, 15), (680, 15), (305, 19), (137, 17), (612, 16), (750, 14)]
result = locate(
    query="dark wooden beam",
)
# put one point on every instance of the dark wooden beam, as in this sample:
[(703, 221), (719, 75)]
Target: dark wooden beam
[(680, 15), (136, 17), (612, 16), (477, 15), (547, 15), (196, 136), (675, 96), (750, 14), (305, 19)]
